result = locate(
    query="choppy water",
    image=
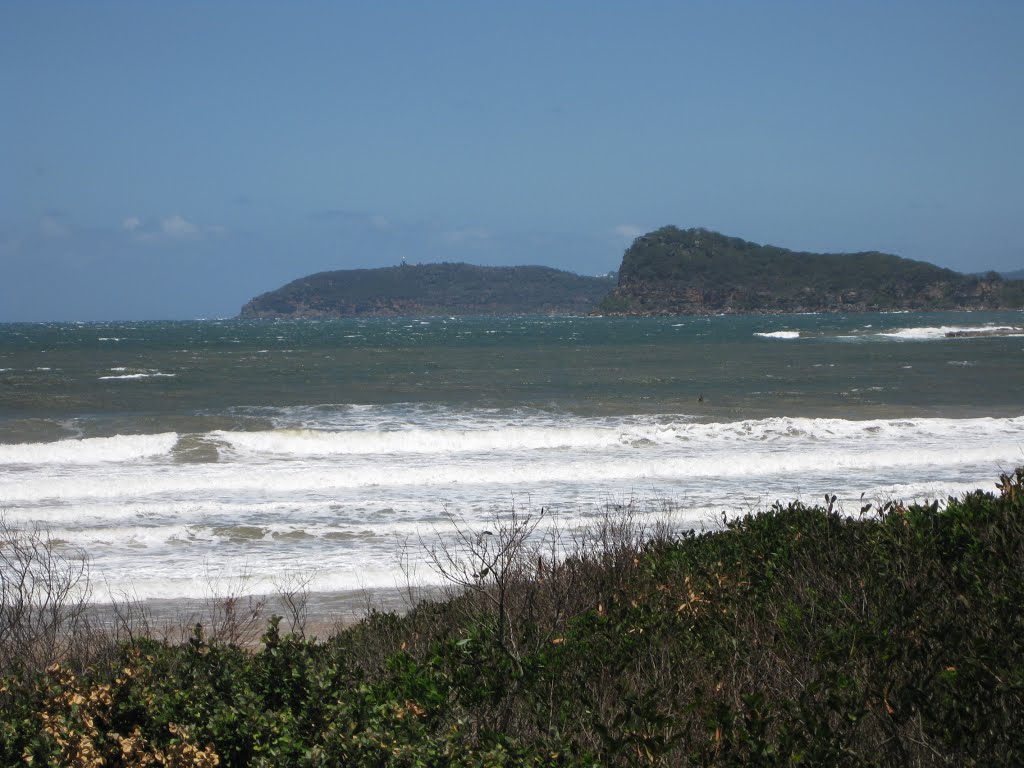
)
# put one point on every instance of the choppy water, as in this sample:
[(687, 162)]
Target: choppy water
[(181, 455)]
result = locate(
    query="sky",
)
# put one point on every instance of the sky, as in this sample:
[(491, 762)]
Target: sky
[(173, 160)]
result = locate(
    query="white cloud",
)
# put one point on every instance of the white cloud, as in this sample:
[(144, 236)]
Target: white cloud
[(54, 226), (465, 235), (168, 228), (628, 231), (177, 226)]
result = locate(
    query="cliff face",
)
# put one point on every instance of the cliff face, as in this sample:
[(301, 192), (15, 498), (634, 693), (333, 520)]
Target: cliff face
[(432, 289), (696, 271)]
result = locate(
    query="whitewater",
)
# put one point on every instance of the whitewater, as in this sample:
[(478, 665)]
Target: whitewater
[(182, 456)]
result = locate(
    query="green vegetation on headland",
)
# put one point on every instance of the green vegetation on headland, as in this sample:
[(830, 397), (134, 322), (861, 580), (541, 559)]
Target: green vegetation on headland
[(696, 272), (433, 289), (800, 635), (666, 272)]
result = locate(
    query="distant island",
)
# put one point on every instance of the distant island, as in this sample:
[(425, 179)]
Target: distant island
[(669, 271), (433, 289), (698, 272)]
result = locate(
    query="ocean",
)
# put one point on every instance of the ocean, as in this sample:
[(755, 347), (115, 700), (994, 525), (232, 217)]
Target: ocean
[(189, 457)]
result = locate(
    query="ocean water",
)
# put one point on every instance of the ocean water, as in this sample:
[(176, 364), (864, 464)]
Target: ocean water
[(195, 456)]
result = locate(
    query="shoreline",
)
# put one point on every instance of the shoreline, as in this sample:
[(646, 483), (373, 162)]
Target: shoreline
[(245, 618)]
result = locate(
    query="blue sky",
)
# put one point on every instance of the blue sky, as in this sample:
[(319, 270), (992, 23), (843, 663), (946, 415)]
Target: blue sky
[(171, 160)]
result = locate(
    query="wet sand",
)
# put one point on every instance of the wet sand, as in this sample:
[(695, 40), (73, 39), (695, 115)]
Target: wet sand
[(325, 613)]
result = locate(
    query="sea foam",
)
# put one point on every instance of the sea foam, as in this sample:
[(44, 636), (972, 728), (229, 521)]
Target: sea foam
[(281, 499), (931, 333), (93, 450), (594, 435), (129, 376)]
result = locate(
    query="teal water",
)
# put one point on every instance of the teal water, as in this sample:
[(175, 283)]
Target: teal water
[(177, 452), (191, 374)]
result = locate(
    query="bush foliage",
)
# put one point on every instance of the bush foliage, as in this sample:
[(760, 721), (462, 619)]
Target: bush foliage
[(801, 635)]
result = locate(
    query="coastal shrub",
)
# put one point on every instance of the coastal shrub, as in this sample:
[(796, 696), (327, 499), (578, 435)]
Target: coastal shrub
[(800, 635), (44, 597)]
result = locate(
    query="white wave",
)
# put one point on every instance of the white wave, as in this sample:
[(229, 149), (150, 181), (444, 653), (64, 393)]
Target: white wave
[(237, 578), (136, 536), (779, 334), (919, 492), (211, 483), (195, 561), (930, 333), (92, 450), (596, 434), (286, 499), (438, 441), (138, 376)]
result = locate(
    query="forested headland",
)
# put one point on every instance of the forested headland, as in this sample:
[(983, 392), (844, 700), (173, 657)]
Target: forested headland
[(669, 271), (674, 271), (432, 290)]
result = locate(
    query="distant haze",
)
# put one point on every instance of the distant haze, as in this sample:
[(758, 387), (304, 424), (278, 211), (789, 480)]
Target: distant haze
[(166, 160)]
